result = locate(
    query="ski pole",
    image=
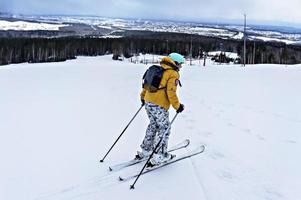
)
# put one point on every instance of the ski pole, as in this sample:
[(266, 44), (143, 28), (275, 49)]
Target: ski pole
[(121, 134), (157, 146)]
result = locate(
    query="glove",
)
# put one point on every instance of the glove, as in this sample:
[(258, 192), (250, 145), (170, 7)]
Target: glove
[(181, 108), (142, 102)]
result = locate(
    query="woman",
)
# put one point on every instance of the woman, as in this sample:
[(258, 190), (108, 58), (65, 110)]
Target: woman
[(157, 105)]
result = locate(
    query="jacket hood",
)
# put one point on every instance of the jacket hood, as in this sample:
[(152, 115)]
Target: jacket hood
[(168, 63)]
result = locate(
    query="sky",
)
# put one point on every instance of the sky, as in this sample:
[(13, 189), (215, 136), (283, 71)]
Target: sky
[(272, 11)]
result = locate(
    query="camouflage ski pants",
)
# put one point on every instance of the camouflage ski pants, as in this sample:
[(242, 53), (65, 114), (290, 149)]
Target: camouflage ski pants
[(158, 127)]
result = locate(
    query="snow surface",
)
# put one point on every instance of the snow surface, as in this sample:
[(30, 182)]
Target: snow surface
[(228, 54), (58, 119), (26, 26), (269, 39)]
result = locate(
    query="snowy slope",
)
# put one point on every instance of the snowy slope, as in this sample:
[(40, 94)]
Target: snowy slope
[(58, 119)]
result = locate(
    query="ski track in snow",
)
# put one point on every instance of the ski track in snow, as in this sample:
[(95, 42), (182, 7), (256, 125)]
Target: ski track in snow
[(92, 186), (219, 113), (199, 179)]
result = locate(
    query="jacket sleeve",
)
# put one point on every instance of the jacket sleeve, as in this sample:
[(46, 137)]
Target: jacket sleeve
[(142, 94), (172, 91)]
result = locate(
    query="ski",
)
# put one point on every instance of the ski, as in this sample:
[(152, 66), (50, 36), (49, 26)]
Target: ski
[(120, 166), (196, 151)]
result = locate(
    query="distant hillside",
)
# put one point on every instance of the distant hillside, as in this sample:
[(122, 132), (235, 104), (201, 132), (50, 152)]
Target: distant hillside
[(58, 38)]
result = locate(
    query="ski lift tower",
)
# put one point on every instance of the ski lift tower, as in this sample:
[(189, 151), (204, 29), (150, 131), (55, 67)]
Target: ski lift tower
[(245, 38), (154, 47), (190, 51)]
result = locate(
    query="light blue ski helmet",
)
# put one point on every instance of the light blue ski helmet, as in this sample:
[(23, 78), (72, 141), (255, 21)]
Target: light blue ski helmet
[(177, 58)]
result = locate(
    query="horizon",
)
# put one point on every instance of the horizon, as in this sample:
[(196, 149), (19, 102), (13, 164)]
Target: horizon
[(266, 12), (206, 21)]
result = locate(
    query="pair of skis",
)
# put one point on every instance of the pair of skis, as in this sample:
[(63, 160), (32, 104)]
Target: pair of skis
[(120, 166), (146, 169), (178, 146)]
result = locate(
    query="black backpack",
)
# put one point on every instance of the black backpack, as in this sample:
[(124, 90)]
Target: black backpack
[(152, 78)]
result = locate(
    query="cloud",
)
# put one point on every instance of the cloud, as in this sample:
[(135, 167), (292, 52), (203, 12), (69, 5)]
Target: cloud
[(5, 6), (278, 10), (274, 10)]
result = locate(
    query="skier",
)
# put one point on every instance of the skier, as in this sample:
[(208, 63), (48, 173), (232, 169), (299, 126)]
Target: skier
[(157, 105)]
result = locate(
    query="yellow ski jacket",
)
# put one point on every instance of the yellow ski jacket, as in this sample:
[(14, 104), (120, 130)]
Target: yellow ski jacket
[(167, 96)]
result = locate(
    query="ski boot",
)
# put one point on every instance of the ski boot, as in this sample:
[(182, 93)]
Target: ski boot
[(157, 159), (142, 154)]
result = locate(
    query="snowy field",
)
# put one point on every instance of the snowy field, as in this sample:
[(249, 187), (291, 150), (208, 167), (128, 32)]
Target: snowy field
[(28, 26), (57, 120)]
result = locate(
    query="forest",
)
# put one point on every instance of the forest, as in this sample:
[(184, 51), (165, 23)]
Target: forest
[(33, 50)]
